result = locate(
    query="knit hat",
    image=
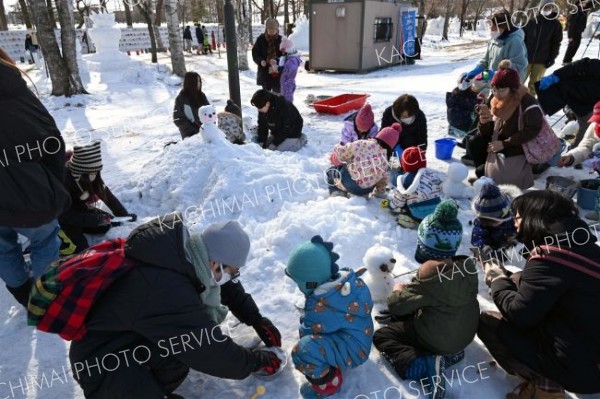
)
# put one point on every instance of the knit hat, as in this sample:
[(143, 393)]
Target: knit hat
[(596, 115), (86, 159), (260, 98), (233, 108), (413, 159), (364, 118), (490, 203), (506, 76), (439, 234), (390, 135), (311, 264), (286, 46), (226, 243), (271, 24)]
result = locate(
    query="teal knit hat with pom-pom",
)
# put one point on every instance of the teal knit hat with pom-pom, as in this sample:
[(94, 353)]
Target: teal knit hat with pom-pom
[(439, 234), (311, 264)]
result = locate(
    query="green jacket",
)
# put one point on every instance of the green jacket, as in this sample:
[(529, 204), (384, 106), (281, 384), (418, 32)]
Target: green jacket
[(443, 296)]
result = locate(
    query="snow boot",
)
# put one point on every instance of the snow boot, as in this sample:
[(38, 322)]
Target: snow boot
[(322, 387), (528, 390), (435, 375), (21, 293)]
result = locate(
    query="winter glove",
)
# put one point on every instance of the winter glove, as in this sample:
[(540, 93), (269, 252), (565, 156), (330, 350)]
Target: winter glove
[(470, 75), (548, 81), (334, 159), (268, 333), (266, 362), (133, 217), (492, 271), (549, 63)]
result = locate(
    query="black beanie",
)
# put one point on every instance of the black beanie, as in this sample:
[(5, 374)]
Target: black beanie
[(260, 98), (233, 108)]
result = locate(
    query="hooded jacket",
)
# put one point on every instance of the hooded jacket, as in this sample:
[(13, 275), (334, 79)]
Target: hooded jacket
[(158, 302), (259, 53), (282, 119), (185, 115), (32, 157), (543, 36), (444, 301), (288, 76), (413, 135), (420, 197), (510, 45), (553, 314)]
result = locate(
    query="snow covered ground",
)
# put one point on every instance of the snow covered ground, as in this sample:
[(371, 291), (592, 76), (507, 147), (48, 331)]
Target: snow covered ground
[(280, 198)]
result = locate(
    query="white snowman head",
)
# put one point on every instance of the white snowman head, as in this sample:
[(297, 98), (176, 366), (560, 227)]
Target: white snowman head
[(379, 260), (208, 114)]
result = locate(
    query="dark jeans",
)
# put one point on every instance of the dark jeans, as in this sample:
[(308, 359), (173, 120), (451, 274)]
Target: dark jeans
[(399, 342), (341, 173), (572, 48), (477, 148)]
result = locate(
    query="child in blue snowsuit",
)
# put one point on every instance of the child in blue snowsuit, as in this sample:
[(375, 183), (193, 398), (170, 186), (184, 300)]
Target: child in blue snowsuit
[(336, 331)]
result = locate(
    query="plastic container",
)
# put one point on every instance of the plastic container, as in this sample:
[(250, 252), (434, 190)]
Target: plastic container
[(341, 104), (563, 185), (556, 157), (284, 360), (444, 148), (587, 193)]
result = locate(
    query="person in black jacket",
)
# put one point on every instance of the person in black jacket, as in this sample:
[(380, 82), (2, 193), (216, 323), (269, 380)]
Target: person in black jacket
[(282, 119), (543, 35), (547, 328), (187, 39), (406, 111), (265, 50), (576, 22), (200, 38), (187, 103), (165, 312), (32, 171), (576, 85)]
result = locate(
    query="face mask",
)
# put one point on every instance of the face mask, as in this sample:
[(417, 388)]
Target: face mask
[(225, 277), (92, 176), (495, 34), (546, 13), (408, 121)]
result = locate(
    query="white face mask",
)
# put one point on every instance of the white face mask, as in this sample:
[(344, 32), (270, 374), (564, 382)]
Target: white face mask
[(408, 121), (494, 34), (92, 176), (225, 276)]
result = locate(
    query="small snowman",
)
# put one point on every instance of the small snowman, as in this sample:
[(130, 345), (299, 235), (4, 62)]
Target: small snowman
[(379, 262), (209, 131), (454, 186)]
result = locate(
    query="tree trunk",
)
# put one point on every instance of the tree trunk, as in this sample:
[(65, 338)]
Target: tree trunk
[(160, 11), (250, 33), (286, 15), (175, 39), (3, 22), (128, 16), (50, 7), (145, 9), (463, 13), (220, 17), (68, 38), (25, 14), (244, 25), (447, 19), (159, 43)]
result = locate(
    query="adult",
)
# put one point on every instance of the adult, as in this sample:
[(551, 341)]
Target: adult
[(266, 51), (576, 23), (583, 151), (547, 329), (576, 85), (169, 307), (30, 47), (188, 101), (279, 122), (406, 111), (514, 119), (507, 43), (187, 39), (200, 38), (543, 35), (32, 170)]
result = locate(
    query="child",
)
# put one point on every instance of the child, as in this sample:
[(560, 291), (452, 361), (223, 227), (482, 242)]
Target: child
[(359, 125), (494, 225), (418, 190), (336, 330), (461, 108), (86, 187), (439, 234), (290, 68), (361, 167)]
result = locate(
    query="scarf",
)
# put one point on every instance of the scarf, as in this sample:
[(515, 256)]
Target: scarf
[(504, 108), (211, 296), (271, 47)]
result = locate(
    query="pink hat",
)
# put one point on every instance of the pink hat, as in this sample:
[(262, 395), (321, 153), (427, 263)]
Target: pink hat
[(390, 135), (286, 45), (596, 116), (364, 118)]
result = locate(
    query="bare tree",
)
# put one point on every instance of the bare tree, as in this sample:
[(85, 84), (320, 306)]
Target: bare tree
[(286, 15), (449, 11), (244, 25), (65, 81), (25, 13), (158, 17), (50, 8), (175, 38), (3, 22), (68, 39), (145, 8), (250, 33), (128, 16), (479, 6), (464, 5)]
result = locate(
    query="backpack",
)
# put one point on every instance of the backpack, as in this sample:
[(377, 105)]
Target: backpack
[(63, 296), (568, 259)]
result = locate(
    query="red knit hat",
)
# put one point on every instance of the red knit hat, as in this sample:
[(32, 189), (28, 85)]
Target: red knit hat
[(596, 115), (506, 76), (390, 135), (413, 159), (364, 118)]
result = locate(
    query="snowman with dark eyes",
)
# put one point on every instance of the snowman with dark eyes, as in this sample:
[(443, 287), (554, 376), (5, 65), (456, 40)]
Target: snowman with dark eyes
[(209, 131)]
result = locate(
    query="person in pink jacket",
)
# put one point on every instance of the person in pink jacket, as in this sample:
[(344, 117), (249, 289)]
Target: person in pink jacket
[(291, 61), (361, 167), (359, 125)]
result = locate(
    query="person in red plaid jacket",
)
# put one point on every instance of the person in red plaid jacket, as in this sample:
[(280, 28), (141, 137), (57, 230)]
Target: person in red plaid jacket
[(161, 318)]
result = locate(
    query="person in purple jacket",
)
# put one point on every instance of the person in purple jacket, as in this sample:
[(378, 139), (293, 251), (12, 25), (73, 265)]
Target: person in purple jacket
[(291, 61), (359, 125)]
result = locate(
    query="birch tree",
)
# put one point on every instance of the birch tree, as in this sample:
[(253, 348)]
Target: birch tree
[(244, 24), (175, 39)]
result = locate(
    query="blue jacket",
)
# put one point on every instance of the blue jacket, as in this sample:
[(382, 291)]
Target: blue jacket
[(340, 312), (496, 237)]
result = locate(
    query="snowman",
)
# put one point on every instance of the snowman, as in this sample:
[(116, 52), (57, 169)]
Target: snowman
[(454, 186), (379, 262), (209, 131)]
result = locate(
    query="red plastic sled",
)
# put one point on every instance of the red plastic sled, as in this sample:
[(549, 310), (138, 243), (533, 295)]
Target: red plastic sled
[(341, 104)]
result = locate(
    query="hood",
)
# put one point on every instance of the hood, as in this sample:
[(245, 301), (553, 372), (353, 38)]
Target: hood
[(572, 232), (347, 289), (11, 82), (456, 286), (413, 186), (517, 34), (160, 243)]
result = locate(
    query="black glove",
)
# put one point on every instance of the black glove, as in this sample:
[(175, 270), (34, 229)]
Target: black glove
[(549, 63), (268, 333), (133, 217), (267, 362)]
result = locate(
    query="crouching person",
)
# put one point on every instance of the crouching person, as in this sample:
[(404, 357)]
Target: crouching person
[(152, 310), (336, 330)]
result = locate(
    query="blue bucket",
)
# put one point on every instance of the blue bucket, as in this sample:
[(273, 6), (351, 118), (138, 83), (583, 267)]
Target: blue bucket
[(556, 157), (444, 148), (586, 194)]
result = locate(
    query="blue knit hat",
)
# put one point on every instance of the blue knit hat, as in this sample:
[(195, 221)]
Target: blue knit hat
[(311, 264), (439, 234), (492, 204)]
